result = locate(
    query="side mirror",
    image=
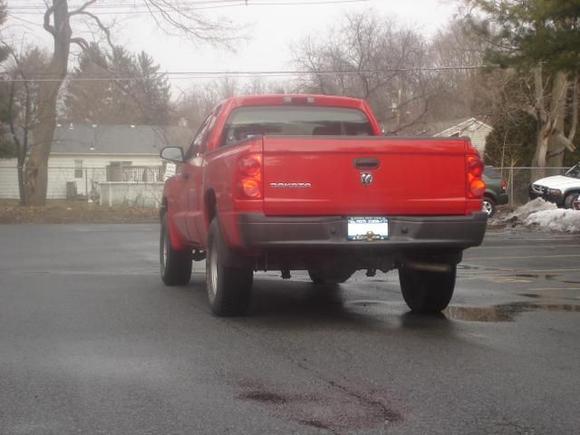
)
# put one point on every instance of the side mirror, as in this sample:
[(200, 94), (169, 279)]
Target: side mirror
[(172, 154)]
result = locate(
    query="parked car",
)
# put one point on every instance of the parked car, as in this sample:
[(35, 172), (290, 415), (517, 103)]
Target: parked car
[(495, 191), (308, 182), (563, 190)]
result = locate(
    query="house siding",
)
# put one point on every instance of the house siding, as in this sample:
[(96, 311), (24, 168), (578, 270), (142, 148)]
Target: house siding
[(61, 170), (476, 131), (8, 179), (478, 138)]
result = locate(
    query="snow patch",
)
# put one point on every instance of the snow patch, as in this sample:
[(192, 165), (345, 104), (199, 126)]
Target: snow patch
[(556, 220), (534, 206), (545, 215)]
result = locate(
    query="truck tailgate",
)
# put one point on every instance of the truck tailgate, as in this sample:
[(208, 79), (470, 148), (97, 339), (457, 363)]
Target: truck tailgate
[(359, 176)]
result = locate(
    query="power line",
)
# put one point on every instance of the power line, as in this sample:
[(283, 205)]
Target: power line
[(120, 9), (179, 3), (183, 75)]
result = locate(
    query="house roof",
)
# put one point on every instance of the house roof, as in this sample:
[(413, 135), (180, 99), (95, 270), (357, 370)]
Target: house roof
[(470, 125), (446, 128), (117, 139)]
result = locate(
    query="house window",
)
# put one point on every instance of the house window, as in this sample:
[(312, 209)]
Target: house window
[(78, 169)]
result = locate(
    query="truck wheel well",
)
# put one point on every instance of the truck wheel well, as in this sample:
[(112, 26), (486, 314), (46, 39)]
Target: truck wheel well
[(210, 206)]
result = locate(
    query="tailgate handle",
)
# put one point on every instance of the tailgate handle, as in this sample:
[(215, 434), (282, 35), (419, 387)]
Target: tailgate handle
[(366, 163)]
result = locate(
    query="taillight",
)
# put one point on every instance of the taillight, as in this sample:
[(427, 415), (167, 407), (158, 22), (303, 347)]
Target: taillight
[(250, 176), (504, 185), (475, 184)]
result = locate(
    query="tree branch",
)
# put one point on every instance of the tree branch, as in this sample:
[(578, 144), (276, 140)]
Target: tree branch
[(184, 20), (11, 117), (82, 8), (97, 20), (539, 90), (47, 26), (81, 42), (411, 123), (574, 120)]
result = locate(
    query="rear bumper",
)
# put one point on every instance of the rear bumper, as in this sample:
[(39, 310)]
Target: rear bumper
[(259, 232)]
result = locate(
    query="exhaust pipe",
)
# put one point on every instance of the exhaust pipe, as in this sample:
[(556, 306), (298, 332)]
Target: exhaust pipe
[(427, 267)]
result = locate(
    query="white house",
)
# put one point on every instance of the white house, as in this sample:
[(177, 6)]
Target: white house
[(472, 128), (83, 156)]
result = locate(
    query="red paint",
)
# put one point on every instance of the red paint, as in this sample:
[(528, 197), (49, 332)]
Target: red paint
[(414, 177)]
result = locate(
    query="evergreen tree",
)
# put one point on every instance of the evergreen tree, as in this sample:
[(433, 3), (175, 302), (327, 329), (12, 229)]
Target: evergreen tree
[(511, 142), (89, 100), (152, 91), (129, 89), (7, 146), (540, 39)]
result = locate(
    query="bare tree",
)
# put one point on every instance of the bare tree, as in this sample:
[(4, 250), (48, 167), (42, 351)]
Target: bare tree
[(59, 21), (197, 102), (464, 92), (373, 59), (538, 38), (22, 107)]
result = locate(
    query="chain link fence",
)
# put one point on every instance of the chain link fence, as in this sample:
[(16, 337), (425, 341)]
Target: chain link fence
[(519, 179), (112, 185)]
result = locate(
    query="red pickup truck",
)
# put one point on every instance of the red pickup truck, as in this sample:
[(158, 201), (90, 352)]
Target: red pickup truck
[(308, 182)]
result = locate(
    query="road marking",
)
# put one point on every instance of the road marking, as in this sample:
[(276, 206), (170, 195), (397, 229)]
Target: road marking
[(556, 246), (544, 270), (549, 289), (522, 257)]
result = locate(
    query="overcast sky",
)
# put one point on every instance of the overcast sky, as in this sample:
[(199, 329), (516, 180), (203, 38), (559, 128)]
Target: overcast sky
[(272, 30)]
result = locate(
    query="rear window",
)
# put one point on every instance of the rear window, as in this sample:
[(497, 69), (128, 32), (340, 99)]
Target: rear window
[(294, 121)]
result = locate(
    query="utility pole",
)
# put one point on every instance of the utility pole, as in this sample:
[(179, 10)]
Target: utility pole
[(396, 109)]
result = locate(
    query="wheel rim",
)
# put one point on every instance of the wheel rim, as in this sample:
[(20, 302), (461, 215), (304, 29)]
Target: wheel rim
[(165, 250), (213, 272), (487, 207)]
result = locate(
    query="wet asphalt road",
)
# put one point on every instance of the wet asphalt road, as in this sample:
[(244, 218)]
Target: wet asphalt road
[(92, 342)]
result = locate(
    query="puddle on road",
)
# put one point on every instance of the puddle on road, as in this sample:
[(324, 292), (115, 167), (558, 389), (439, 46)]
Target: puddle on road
[(527, 275), (496, 313), (464, 266), (264, 397), (504, 312), (511, 276), (531, 295)]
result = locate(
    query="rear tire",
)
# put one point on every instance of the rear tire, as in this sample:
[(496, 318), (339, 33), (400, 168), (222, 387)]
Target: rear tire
[(228, 287), (427, 292), (488, 206), (175, 265)]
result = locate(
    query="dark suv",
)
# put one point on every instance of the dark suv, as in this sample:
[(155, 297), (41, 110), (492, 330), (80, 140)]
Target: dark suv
[(495, 191)]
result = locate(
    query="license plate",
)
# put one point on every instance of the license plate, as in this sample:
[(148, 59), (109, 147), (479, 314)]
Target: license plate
[(368, 228)]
